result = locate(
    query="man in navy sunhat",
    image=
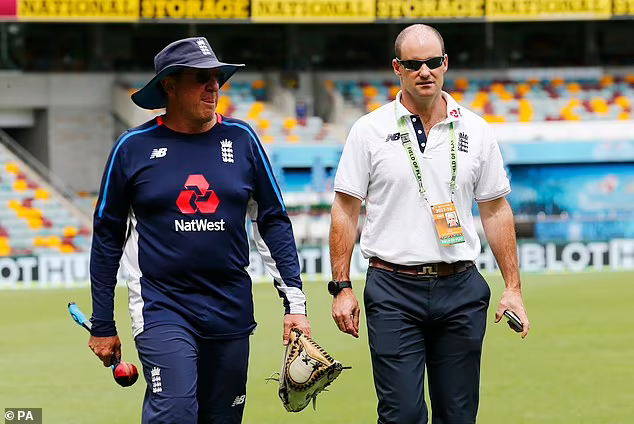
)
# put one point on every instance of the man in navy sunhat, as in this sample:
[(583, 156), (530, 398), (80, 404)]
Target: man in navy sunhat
[(174, 198)]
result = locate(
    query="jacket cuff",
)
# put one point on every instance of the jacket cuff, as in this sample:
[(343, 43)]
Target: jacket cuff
[(103, 328)]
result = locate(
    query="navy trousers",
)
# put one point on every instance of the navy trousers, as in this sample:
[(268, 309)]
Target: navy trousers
[(192, 380), (434, 323)]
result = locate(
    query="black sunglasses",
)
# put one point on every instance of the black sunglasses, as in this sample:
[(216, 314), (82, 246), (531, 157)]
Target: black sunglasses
[(202, 76), (415, 65)]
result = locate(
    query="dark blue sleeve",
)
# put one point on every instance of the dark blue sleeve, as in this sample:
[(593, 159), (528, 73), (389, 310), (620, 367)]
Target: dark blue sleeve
[(109, 235), (274, 227)]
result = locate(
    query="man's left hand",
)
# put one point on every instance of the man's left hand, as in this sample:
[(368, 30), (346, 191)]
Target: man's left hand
[(512, 301), (298, 321)]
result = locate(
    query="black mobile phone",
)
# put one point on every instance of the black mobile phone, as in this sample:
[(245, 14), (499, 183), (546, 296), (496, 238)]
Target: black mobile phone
[(513, 321)]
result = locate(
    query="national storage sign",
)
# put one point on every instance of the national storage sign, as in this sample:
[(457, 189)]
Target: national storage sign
[(313, 11), (195, 9), (293, 11), (79, 10), (390, 10), (526, 10)]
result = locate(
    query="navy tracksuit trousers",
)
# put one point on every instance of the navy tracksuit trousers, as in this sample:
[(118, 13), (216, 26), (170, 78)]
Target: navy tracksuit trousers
[(192, 380), (418, 322)]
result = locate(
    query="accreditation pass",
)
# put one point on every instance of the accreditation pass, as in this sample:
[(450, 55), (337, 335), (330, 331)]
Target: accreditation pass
[(447, 224)]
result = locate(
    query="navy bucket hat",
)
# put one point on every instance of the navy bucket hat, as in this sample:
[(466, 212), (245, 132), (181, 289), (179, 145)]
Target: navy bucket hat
[(187, 53)]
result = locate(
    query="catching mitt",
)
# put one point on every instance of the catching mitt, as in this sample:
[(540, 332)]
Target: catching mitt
[(307, 370)]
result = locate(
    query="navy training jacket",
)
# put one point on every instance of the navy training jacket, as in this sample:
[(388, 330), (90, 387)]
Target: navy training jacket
[(172, 208)]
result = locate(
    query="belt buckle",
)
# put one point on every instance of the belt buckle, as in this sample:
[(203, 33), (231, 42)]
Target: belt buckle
[(426, 270)]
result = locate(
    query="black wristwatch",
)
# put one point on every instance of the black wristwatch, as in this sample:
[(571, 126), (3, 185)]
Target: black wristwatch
[(334, 286)]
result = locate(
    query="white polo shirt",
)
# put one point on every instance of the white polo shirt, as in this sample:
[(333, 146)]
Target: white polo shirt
[(374, 167)]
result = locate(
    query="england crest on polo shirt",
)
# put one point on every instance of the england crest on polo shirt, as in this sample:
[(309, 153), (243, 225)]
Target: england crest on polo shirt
[(226, 148)]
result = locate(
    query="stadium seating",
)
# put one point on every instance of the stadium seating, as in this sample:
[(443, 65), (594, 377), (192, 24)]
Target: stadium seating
[(243, 100), (32, 219), (556, 99), (246, 101)]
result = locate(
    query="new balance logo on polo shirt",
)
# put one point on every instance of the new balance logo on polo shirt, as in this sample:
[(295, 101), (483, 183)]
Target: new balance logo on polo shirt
[(393, 137), (158, 153)]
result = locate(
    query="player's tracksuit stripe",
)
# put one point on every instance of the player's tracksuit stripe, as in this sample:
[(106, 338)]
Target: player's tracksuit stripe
[(116, 149)]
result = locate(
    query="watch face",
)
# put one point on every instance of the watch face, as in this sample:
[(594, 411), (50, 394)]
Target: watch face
[(333, 287)]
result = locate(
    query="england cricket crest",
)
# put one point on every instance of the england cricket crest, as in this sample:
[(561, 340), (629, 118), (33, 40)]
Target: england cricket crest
[(226, 148)]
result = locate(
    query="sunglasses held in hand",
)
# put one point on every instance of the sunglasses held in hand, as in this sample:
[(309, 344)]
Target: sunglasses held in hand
[(415, 65)]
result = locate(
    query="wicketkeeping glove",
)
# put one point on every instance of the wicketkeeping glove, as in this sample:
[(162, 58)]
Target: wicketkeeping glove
[(307, 370)]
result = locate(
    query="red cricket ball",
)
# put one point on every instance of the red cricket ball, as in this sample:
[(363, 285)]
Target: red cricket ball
[(125, 374)]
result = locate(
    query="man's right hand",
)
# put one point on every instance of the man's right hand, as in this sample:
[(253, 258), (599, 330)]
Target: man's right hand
[(345, 312), (105, 348)]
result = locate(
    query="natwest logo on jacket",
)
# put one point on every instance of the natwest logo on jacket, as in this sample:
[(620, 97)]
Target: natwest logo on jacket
[(197, 198)]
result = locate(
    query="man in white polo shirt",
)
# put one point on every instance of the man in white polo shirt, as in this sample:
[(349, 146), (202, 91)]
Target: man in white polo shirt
[(418, 162)]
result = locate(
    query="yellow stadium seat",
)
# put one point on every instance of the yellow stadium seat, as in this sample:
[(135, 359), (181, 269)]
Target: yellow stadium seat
[(12, 168), (42, 194), (557, 82), (523, 88), (574, 87), (526, 110), (35, 223), (622, 101), (482, 95), (457, 96), (569, 115), (373, 106), (258, 84), (370, 91), (292, 138), (495, 118), (600, 106), (32, 213), (624, 116), (394, 89), (533, 81), (14, 204), (606, 80), (5, 251), (573, 103), (264, 124), (223, 104), (70, 232), (462, 83), (268, 138), (290, 123), (39, 241), (629, 78), (54, 241), (506, 96), (256, 109), (20, 185), (22, 212), (497, 87), (66, 248), (4, 241)]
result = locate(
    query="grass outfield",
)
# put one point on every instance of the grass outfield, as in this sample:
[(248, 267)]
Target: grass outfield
[(574, 367)]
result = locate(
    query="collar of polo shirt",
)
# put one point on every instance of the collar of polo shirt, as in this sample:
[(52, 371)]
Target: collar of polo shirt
[(453, 108)]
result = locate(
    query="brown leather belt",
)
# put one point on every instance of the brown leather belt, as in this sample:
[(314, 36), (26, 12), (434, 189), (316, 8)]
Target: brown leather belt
[(438, 269)]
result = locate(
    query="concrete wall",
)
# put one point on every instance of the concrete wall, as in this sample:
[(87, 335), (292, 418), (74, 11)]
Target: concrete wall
[(35, 138), (73, 131), (80, 140)]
